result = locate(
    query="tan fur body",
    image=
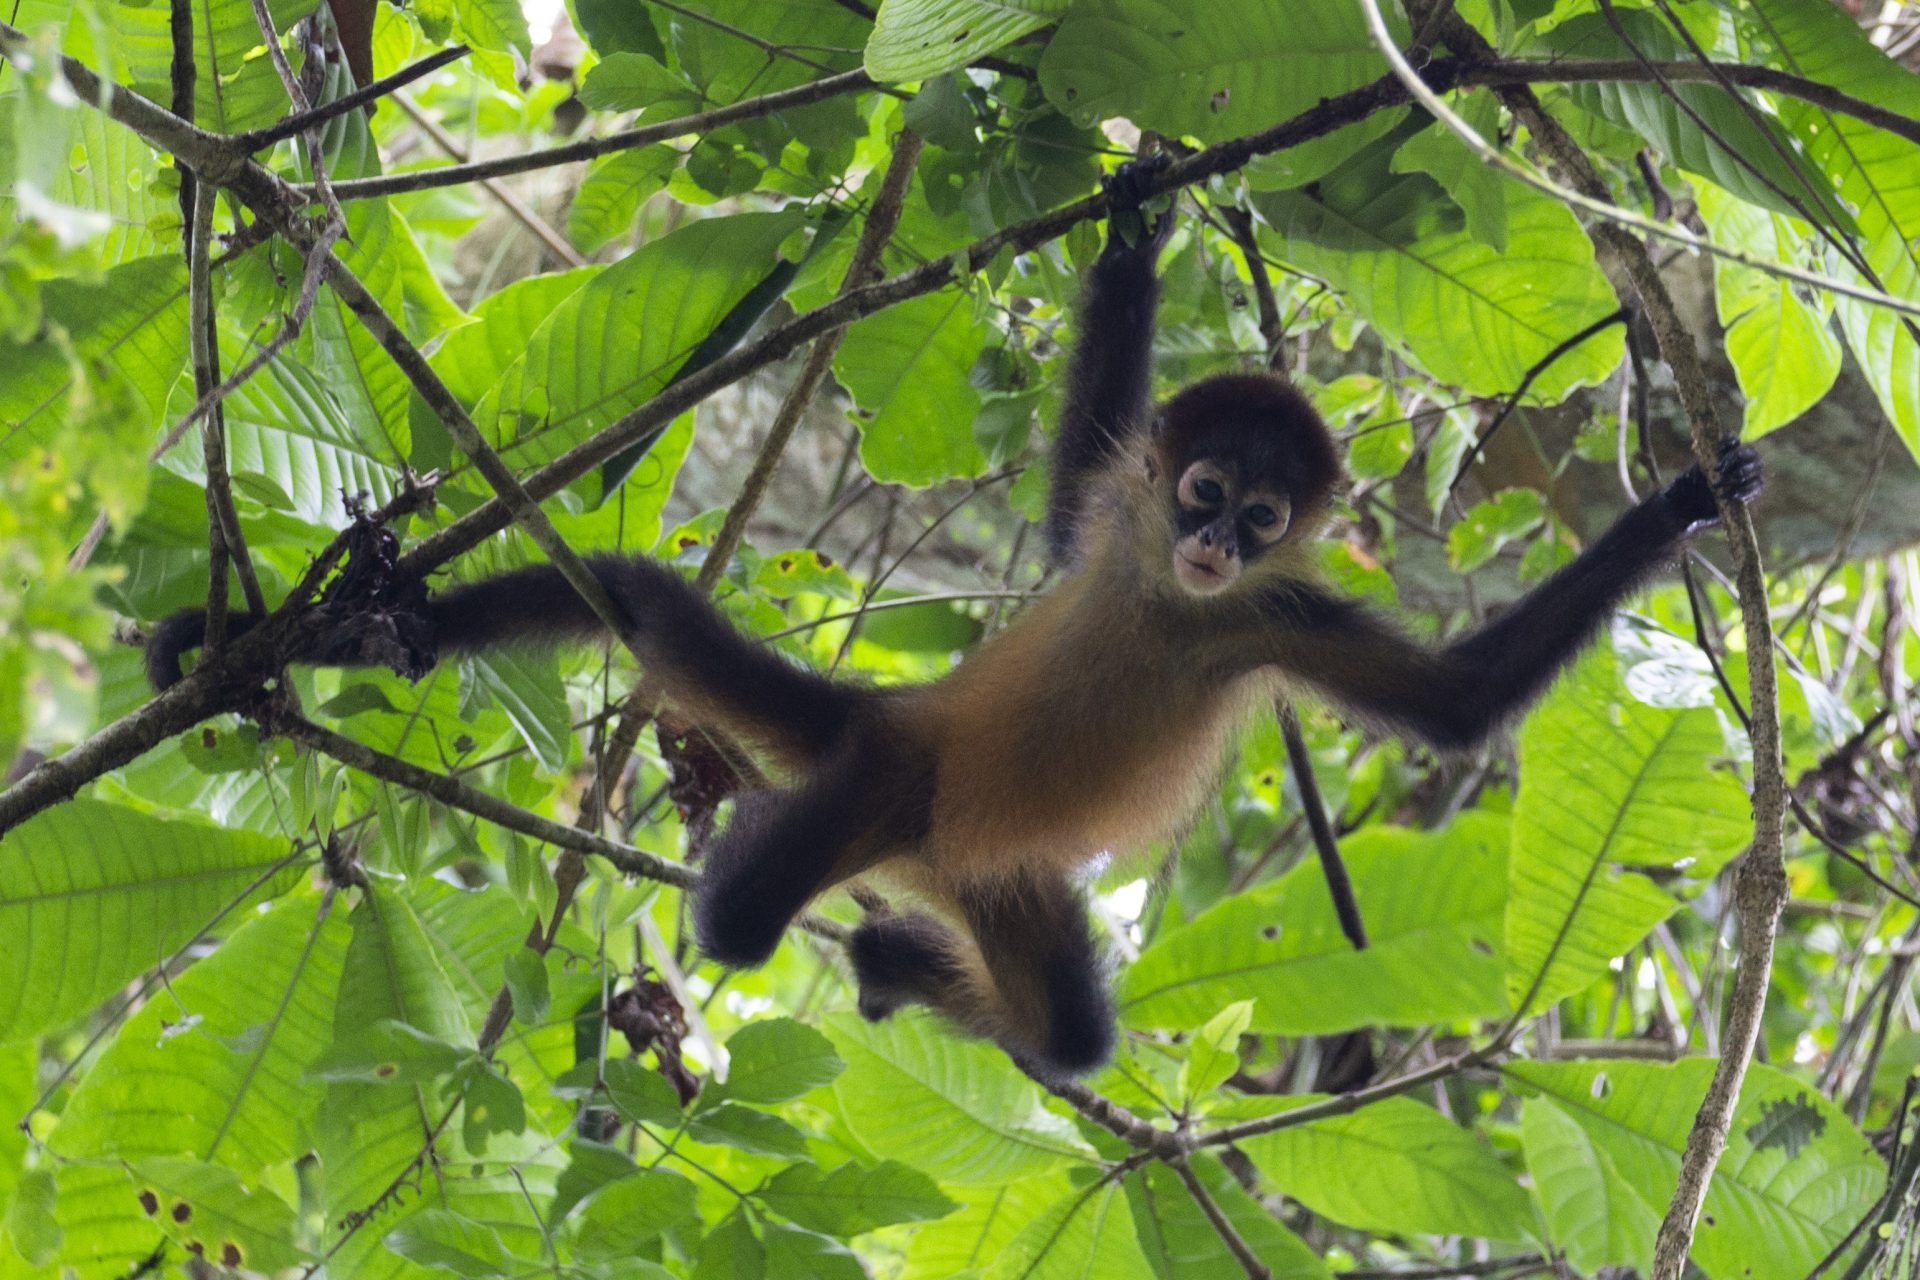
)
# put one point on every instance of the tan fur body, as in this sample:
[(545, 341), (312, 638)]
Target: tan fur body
[(1097, 721)]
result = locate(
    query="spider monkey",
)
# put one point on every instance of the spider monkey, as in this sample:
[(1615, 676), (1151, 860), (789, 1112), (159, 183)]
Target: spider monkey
[(1095, 722)]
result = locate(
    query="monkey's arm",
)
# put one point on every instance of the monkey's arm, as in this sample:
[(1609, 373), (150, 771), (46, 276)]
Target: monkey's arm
[(1456, 695), (1109, 376), (702, 663)]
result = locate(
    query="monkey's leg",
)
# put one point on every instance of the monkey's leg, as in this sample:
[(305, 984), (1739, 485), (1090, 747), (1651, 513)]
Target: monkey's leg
[(784, 848), (1031, 978)]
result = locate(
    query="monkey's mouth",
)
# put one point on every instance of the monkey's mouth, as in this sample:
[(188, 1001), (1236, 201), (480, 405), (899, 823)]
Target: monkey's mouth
[(1200, 577)]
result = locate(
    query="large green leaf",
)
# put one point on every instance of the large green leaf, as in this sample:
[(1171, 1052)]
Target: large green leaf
[(1783, 350), (382, 252), (399, 969), (919, 39), (949, 1107), (1795, 1177), (92, 894), (1739, 148), (1395, 1166), (851, 1200), (1234, 68), (1432, 902), (908, 369), (1592, 1212), (130, 328), (776, 1060), (966, 1243), (1877, 172), (214, 1068), (286, 426), (236, 86), (1608, 782), (728, 68), (1422, 294), (1087, 1233), (613, 343), (105, 168)]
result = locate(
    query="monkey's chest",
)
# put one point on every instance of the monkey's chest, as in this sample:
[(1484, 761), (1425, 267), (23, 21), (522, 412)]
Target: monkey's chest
[(1100, 756)]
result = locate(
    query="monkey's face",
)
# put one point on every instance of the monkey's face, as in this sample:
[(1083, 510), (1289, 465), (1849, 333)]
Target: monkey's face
[(1222, 520)]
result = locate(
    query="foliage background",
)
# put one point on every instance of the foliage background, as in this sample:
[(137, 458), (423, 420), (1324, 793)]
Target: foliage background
[(403, 985)]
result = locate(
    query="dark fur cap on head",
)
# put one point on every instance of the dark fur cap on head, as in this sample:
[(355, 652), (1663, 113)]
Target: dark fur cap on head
[(1260, 421)]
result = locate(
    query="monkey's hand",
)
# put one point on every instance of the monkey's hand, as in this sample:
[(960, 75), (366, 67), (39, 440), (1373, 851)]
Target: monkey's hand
[(1131, 228), (1691, 497)]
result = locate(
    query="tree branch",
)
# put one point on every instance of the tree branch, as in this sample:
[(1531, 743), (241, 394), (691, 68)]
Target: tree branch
[(700, 122), (1760, 887), (1223, 1226), (300, 121)]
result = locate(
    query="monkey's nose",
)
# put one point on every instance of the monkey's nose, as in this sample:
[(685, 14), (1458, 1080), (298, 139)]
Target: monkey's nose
[(1206, 536)]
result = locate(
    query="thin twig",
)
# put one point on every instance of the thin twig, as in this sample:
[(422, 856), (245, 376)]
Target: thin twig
[(1222, 1225), (1519, 393), (314, 117), (697, 124)]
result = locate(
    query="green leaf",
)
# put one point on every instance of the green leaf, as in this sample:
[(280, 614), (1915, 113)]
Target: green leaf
[(1433, 903), (732, 1125), (1795, 1177), (648, 312), (1783, 351), (642, 1095), (395, 977), (776, 1060), (386, 1051), (1608, 782), (527, 986), (1421, 295), (205, 1210), (909, 370), (1214, 1053), (1476, 186), (494, 25), (237, 87), (526, 685), (1087, 1233), (967, 1242), (92, 894), (262, 1008), (624, 1215), (1873, 170), (853, 1199), (1700, 127), (731, 1252), (638, 82), (1591, 1211), (31, 1226), (611, 194), (130, 329), (1490, 525), (446, 1241), (945, 1106), (1236, 69), (1395, 1166), (807, 1255), (919, 39)]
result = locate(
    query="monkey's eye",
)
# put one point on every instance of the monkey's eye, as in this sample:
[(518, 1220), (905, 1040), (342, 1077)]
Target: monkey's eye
[(1262, 516), (1208, 491)]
